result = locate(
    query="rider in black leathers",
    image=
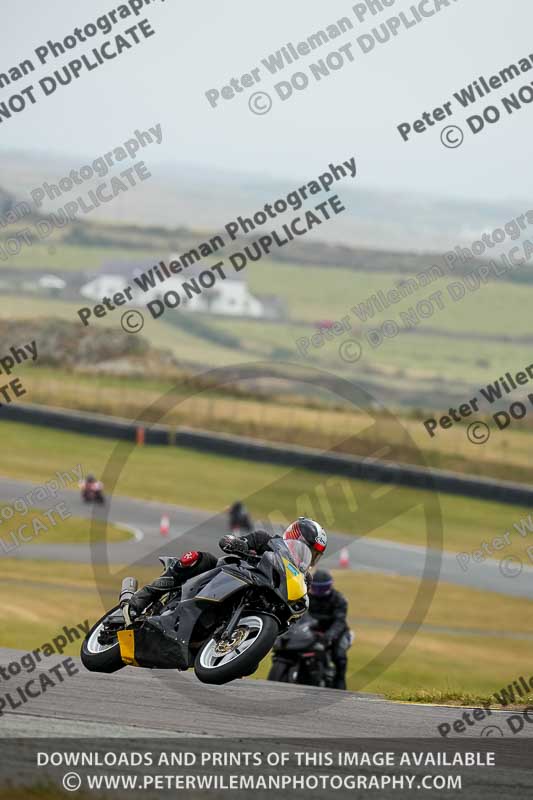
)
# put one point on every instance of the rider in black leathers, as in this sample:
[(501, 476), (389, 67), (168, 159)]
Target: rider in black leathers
[(194, 562), (329, 608), (239, 518)]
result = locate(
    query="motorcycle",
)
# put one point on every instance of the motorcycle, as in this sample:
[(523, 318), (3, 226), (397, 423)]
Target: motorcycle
[(299, 656), (92, 492), (222, 622)]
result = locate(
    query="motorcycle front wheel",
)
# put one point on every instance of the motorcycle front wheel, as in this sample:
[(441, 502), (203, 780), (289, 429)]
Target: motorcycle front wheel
[(220, 662)]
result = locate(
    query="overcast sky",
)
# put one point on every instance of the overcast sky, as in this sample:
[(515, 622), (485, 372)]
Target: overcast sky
[(201, 45)]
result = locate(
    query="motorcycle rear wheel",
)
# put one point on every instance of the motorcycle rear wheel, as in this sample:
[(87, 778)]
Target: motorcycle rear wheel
[(259, 633), (97, 657)]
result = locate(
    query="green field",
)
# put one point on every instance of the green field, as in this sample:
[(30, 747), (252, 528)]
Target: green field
[(463, 346), (53, 255), (498, 307), (199, 480), (52, 528)]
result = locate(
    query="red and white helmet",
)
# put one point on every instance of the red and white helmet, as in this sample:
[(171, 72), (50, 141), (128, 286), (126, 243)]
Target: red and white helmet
[(310, 533)]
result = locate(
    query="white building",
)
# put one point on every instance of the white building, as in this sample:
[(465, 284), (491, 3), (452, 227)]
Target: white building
[(229, 297), (103, 286)]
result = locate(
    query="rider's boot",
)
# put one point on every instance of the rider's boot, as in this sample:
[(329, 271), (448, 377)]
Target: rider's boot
[(340, 674)]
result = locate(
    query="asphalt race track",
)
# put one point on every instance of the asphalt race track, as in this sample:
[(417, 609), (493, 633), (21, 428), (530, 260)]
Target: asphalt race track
[(162, 702), (191, 529)]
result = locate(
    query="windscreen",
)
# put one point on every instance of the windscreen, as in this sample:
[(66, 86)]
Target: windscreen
[(300, 554)]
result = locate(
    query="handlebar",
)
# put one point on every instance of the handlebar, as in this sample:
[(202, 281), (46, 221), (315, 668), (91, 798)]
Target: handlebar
[(236, 557)]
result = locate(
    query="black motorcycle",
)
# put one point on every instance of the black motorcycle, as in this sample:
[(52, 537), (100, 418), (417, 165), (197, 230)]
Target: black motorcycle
[(300, 656), (222, 622)]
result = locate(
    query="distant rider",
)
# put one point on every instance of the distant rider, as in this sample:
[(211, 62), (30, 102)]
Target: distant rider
[(329, 608), (91, 488), (239, 519), (195, 562)]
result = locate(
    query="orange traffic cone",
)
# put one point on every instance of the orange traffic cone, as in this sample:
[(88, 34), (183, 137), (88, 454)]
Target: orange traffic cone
[(164, 527), (344, 558)]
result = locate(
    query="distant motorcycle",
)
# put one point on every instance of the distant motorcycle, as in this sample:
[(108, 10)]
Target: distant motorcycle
[(300, 656), (92, 491)]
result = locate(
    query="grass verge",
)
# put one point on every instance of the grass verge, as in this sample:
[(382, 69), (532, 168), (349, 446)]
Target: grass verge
[(50, 528)]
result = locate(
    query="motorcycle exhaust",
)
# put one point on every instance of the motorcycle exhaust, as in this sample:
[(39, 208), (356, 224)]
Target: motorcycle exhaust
[(128, 589)]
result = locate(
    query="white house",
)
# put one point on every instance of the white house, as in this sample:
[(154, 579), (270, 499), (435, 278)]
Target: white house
[(229, 297), (103, 286)]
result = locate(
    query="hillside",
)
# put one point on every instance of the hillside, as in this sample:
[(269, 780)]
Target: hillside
[(70, 346), (192, 196)]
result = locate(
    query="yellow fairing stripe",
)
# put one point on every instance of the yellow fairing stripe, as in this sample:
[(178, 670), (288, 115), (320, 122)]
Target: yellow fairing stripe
[(126, 641), (296, 587)]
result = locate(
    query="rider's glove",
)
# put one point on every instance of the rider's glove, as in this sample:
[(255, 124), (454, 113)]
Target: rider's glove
[(233, 544)]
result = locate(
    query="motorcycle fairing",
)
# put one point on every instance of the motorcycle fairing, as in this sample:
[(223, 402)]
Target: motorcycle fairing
[(221, 586), (171, 639), (296, 586), (126, 642), (300, 637), (164, 641)]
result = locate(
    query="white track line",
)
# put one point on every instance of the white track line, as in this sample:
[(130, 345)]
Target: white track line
[(137, 532)]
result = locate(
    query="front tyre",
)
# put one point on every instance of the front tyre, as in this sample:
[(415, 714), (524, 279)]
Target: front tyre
[(279, 671), (219, 662), (98, 657)]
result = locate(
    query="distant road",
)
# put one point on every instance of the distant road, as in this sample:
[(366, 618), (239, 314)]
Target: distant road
[(194, 529)]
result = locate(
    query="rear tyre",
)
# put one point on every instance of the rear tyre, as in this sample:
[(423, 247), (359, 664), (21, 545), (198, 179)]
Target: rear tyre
[(97, 657), (253, 638), (279, 671)]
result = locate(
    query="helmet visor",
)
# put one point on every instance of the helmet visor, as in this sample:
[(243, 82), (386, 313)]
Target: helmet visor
[(300, 553)]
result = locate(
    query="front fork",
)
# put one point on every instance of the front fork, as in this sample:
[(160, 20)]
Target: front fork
[(232, 624)]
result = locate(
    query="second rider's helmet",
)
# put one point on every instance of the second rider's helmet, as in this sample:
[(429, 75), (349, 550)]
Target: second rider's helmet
[(322, 585)]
